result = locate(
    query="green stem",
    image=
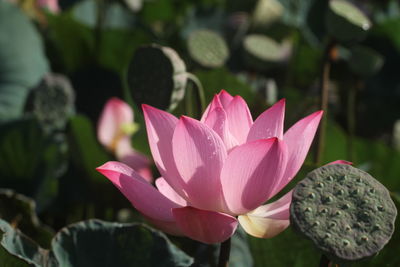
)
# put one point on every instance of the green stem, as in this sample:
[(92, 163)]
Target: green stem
[(324, 261), (200, 90), (100, 16), (351, 121), (224, 252), (324, 85), (189, 103)]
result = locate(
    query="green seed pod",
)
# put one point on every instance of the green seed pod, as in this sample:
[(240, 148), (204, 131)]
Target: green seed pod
[(207, 48), (157, 76), (52, 102), (345, 22), (262, 53), (350, 226)]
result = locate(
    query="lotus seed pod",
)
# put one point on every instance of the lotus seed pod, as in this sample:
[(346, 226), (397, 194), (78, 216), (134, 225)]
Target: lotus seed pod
[(52, 102), (207, 48), (364, 61), (157, 76), (262, 53), (267, 12), (345, 22), (355, 213)]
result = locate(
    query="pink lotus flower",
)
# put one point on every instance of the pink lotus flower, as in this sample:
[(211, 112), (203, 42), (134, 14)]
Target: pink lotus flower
[(219, 171), (114, 131), (51, 5)]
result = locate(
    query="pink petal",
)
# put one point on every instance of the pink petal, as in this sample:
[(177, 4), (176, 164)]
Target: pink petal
[(225, 98), (345, 162), (137, 161), (205, 226), (51, 5), (217, 120), (169, 192), (215, 103), (160, 127), (239, 119), (167, 227), (250, 173), (269, 123), (115, 113), (220, 100), (298, 140), (269, 220), (143, 196), (199, 154)]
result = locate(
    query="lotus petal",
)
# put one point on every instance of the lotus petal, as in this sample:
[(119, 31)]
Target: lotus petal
[(205, 226)]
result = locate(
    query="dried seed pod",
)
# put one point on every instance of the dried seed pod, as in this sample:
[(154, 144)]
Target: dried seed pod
[(52, 102), (353, 224), (346, 22), (262, 53), (157, 76), (208, 48)]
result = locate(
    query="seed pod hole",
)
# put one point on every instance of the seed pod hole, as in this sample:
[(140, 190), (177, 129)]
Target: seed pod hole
[(346, 206), (371, 190), (338, 213), (356, 191), (377, 227), (327, 235), (329, 179), (340, 192), (324, 210), (328, 199), (308, 209)]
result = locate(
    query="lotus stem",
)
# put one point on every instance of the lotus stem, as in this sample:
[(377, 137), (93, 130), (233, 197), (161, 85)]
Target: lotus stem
[(188, 103), (224, 252), (200, 90), (324, 85), (351, 101), (100, 16), (324, 261)]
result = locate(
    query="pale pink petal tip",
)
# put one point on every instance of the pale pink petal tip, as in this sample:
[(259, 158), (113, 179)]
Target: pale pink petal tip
[(268, 220), (262, 227), (205, 226)]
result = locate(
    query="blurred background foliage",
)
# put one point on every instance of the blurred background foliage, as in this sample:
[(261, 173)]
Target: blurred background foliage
[(58, 68)]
